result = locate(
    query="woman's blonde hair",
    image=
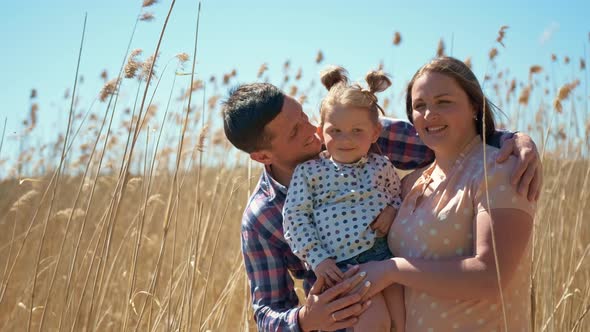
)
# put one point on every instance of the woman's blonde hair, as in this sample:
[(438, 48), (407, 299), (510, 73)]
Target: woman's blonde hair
[(342, 94)]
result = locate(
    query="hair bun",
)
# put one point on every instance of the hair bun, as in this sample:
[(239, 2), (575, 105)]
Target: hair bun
[(377, 81), (333, 75)]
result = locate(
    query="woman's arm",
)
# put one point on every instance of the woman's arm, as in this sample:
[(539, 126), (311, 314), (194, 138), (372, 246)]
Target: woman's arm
[(463, 277)]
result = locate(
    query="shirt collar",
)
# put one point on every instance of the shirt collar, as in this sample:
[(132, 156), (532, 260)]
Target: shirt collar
[(270, 185), (340, 166), (467, 151)]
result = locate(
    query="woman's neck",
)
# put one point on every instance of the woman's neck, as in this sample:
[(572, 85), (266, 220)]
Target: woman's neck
[(446, 159)]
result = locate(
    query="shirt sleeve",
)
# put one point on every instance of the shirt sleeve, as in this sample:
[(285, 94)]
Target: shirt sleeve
[(274, 300), (496, 192), (400, 142), (499, 137), (392, 184), (298, 224)]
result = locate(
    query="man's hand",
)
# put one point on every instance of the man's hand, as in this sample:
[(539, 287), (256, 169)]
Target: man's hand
[(334, 309), (528, 175), (383, 221), (329, 272)]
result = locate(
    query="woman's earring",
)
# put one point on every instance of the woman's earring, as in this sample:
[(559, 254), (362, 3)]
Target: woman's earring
[(475, 116)]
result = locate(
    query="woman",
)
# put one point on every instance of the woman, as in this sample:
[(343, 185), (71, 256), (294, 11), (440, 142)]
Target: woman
[(442, 237)]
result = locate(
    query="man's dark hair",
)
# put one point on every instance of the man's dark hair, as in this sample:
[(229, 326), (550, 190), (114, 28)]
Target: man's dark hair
[(249, 108)]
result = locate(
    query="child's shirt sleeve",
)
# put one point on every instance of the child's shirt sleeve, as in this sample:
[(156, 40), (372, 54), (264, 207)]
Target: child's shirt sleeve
[(299, 227), (392, 184)]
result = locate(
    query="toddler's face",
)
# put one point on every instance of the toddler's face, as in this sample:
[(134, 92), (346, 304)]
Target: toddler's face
[(348, 133)]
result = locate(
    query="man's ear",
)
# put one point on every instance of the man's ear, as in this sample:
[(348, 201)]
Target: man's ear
[(262, 156), (320, 133), (377, 132)]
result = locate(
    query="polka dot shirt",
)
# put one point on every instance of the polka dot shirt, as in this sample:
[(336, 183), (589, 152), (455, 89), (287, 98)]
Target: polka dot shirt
[(330, 206), (442, 225)]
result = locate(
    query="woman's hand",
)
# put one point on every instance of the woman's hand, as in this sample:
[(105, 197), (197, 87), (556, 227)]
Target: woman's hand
[(379, 275)]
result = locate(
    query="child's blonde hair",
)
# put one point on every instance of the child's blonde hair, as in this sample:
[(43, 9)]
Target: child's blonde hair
[(342, 94)]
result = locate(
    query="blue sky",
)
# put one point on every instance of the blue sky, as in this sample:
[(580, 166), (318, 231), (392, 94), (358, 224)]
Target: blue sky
[(41, 40)]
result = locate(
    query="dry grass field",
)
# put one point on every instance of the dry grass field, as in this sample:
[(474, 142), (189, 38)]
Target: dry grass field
[(134, 224)]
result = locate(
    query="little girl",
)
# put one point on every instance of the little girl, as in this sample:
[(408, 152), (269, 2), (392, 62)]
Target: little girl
[(333, 213)]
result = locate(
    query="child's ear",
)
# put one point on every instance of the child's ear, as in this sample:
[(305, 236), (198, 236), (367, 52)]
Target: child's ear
[(262, 156), (377, 132)]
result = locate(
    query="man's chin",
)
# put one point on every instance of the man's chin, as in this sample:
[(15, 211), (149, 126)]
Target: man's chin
[(312, 153)]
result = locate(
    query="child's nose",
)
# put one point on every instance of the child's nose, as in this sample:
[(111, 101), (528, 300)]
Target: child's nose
[(346, 137)]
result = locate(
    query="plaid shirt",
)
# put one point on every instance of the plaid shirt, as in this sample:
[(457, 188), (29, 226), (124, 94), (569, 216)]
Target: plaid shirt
[(267, 256)]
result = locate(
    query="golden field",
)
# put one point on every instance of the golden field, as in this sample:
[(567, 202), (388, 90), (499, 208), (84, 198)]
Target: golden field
[(200, 275), (133, 222)]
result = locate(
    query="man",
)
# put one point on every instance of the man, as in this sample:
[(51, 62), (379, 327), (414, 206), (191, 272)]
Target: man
[(272, 128)]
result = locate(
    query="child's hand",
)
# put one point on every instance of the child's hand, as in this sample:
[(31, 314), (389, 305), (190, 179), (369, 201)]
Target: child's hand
[(329, 271), (383, 221)]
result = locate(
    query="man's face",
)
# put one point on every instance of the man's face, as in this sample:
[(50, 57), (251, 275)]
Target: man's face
[(293, 138)]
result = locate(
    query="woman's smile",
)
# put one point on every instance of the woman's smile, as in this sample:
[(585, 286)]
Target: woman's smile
[(435, 129)]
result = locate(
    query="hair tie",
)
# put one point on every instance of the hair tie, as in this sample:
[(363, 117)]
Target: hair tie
[(370, 94)]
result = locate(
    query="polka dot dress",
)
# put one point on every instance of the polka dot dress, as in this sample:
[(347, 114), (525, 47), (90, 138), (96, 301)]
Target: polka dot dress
[(330, 206), (442, 226)]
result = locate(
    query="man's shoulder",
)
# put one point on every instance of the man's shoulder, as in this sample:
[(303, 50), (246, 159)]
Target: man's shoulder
[(392, 123), (397, 131), (262, 211), (376, 157)]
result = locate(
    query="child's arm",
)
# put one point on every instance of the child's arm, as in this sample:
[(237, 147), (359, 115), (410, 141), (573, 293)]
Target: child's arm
[(383, 222), (392, 186), (299, 228)]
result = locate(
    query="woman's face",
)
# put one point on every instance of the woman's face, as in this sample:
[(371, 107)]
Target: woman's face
[(442, 114)]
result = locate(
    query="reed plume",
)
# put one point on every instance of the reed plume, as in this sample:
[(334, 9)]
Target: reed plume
[(501, 35), (440, 49), (397, 38)]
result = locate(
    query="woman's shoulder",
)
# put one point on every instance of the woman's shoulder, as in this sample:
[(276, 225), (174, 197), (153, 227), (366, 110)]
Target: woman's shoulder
[(492, 180), (484, 162)]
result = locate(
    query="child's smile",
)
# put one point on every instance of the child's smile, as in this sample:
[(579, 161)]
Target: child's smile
[(348, 133)]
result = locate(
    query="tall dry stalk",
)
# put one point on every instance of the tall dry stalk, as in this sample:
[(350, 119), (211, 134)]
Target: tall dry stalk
[(59, 168), (170, 203), (125, 172), (141, 222), (487, 195), (3, 133)]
